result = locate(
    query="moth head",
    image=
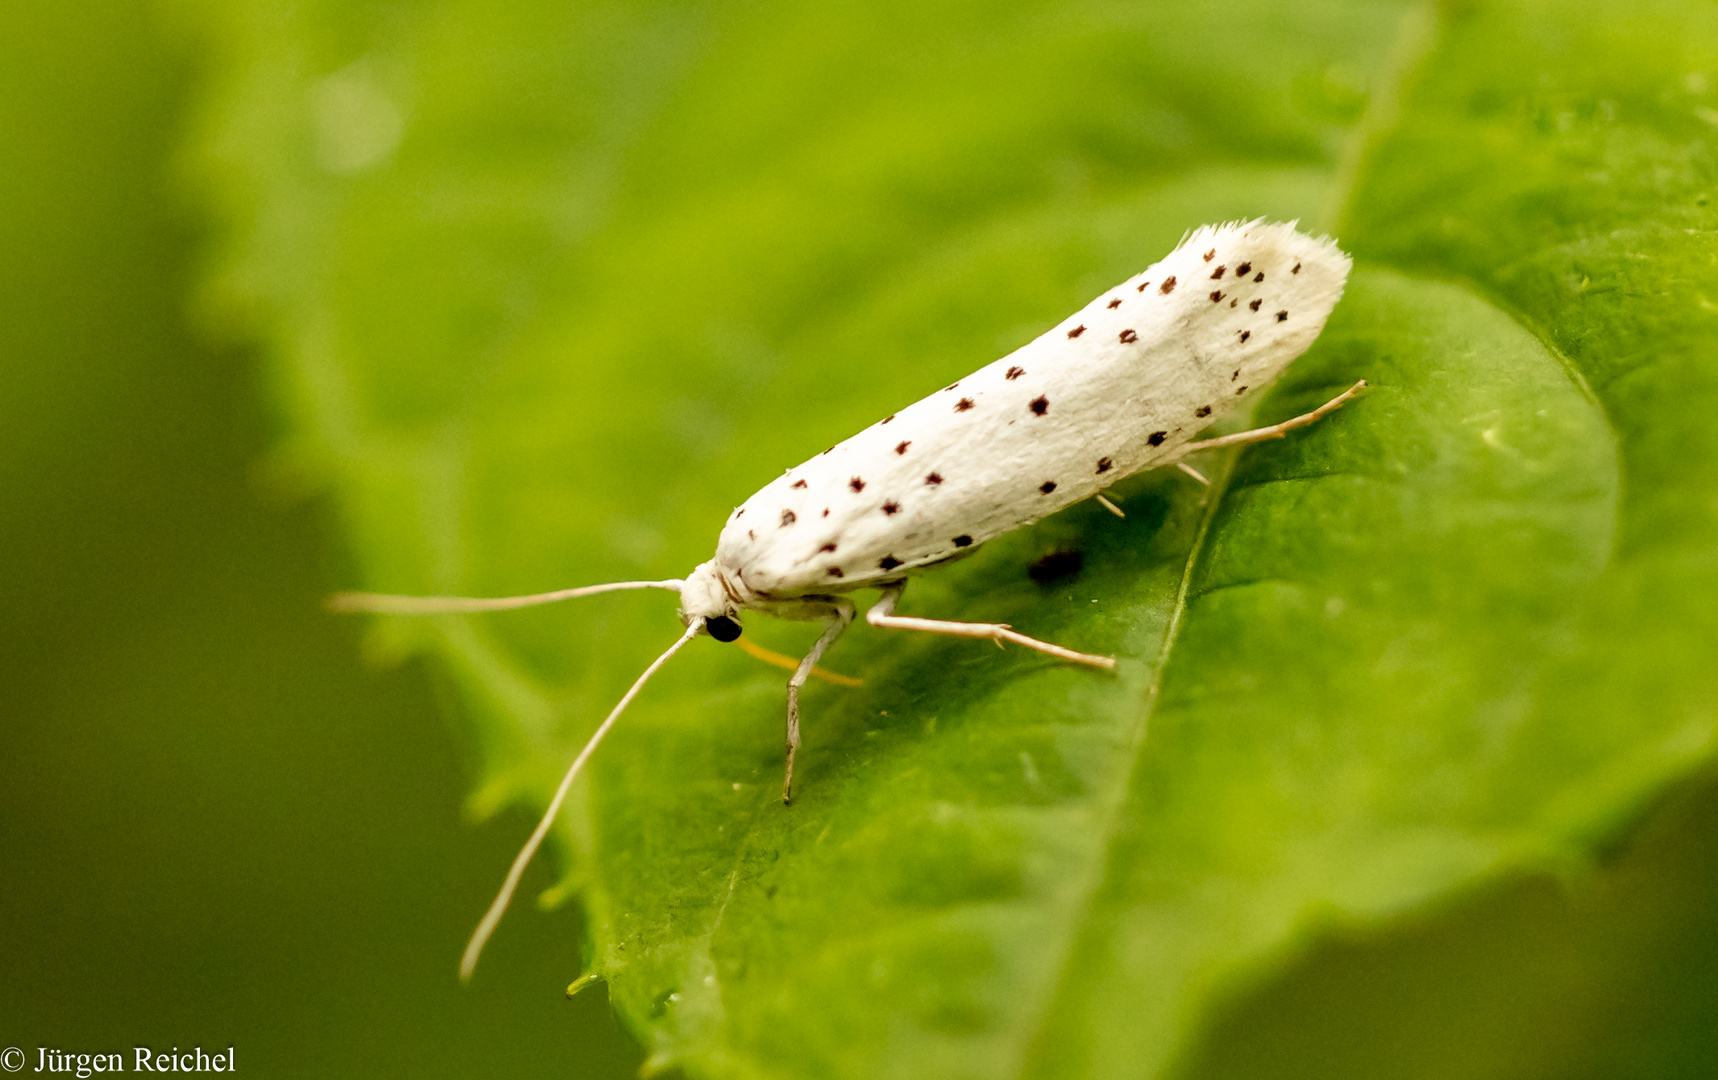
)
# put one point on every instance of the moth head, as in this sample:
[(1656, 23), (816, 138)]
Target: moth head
[(707, 598), (723, 628)]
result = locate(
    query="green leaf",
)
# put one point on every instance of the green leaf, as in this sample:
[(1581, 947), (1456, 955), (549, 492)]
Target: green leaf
[(549, 291)]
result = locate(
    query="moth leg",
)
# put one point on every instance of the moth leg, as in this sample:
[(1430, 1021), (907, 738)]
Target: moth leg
[(770, 656), (1276, 431), (882, 614), (841, 615), (1194, 473)]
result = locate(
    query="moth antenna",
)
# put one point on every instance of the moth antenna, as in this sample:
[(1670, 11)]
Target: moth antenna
[(388, 604), (480, 936)]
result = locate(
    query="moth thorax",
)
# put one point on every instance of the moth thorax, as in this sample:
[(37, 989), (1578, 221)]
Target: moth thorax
[(708, 593)]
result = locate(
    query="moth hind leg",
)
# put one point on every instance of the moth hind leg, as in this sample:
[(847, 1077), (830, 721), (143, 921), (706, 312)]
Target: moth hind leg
[(882, 615), (1194, 473), (1276, 431)]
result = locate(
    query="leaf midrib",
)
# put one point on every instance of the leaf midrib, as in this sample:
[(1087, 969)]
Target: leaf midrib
[(1416, 36), (1085, 895)]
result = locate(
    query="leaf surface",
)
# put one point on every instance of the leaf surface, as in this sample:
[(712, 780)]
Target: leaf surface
[(550, 291)]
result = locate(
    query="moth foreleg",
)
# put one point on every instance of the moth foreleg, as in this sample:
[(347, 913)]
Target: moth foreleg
[(770, 656), (841, 616), (882, 615)]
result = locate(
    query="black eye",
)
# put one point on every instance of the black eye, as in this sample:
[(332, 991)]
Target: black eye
[(723, 628)]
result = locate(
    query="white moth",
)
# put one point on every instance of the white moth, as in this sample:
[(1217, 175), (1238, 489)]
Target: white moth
[(1122, 385)]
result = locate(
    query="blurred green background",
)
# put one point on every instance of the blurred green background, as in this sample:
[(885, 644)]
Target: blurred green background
[(217, 826)]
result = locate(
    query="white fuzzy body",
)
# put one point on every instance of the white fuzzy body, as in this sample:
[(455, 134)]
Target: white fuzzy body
[(1123, 384), (1048, 425)]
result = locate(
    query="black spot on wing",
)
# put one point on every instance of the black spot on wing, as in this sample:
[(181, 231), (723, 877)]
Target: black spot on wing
[(933, 479), (1047, 486), (1040, 405), (788, 517), (1157, 438), (888, 562), (901, 447), (963, 404), (1168, 285), (1128, 336), (1014, 373), (1077, 331), (856, 484), (1104, 465), (963, 541)]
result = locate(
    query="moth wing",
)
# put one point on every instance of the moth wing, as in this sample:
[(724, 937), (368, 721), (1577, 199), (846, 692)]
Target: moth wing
[(1118, 387)]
